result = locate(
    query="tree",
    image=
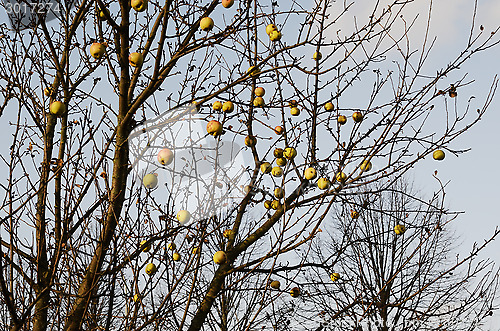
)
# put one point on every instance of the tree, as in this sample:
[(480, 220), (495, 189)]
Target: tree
[(75, 211)]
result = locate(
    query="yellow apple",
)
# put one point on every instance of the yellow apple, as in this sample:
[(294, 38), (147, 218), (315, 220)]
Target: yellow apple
[(275, 35), (267, 204), (295, 111), (227, 233), (278, 152), (206, 24), (217, 105), (329, 106), (227, 107), (220, 257), (176, 256), (172, 246), (258, 102), (139, 5), (275, 204), (150, 181), (97, 50), (438, 155), (259, 91), (183, 216), (270, 28), (145, 246), (47, 91), (399, 229), (214, 128), (277, 172), (279, 192), (342, 119), (281, 161), (227, 3), (275, 284), (165, 156), (317, 56), (357, 117), (354, 214), (279, 129), (266, 167), (57, 108), (290, 153), (310, 173), (150, 268), (253, 71), (341, 177), (323, 183), (250, 141), (135, 59), (334, 276), (366, 165), (295, 292)]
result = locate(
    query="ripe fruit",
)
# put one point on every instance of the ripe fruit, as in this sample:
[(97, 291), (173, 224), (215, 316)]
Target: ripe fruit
[(214, 128), (438, 155), (317, 56), (275, 35), (310, 173), (227, 3), (165, 156), (341, 177), (145, 246), (150, 268), (135, 59), (278, 152), (323, 183), (220, 257), (227, 107), (366, 165), (267, 204), (259, 91), (57, 108), (329, 106), (137, 297), (217, 105), (295, 292), (253, 71), (139, 5), (279, 192), (97, 50), (250, 141), (176, 256), (258, 102), (290, 153), (295, 111), (227, 233), (172, 246), (342, 119), (281, 161), (183, 216), (150, 181), (47, 91), (357, 117), (275, 284), (279, 129), (275, 204), (270, 28), (277, 172), (399, 229), (354, 214), (206, 24), (266, 167), (334, 276)]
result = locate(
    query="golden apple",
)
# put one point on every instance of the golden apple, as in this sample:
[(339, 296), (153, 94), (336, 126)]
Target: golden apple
[(150, 181), (214, 128), (270, 28), (279, 193), (317, 56), (259, 91), (135, 59), (266, 167), (227, 3), (366, 165), (341, 177), (342, 119), (253, 71), (275, 204), (278, 152), (165, 156), (334, 276), (279, 129), (145, 246), (399, 229), (357, 117), (323, 183), (354, 214), (150, 268), (172, 246), (329, 106), (310, 173), (250, 141), (176, 256), (275, 284), (267, 204), (217, 105), (220, 257), (438, 155), (258, 102), (281, 161), (183, 216), (57, 108), (275, 35), (277, 172), (97, 50), (290, 153), (206, 24), (295, 111), (139, 5), (227, 107), (295, 292)]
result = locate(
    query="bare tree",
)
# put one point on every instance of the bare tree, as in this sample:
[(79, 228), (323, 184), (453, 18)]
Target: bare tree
[(91, 216)]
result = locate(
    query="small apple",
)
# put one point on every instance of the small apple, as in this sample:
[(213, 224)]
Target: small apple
[(150, 181), (279, 129), (295, 292), (323, 183), (206, 24), (183, 216), (214, 128), (253, 71), (57, 108), (145, 246), (258, 102), (354, 214), (399, 229), (227, 233), (259, 91), (137, 298), (266, 167), (228, 107), (220, 257), (217, 105), (317, 56), (341, 177), (150, 268), (277, 172), (267, 204), (250, 141), (47, 91), (275, 204), (279, 193), (290, 153), (165, 156), (275, 35), (329, 106), (176, 256), (334, 276), (172, 246), (139, 5), (97, 50), (275, 284), (366, 165), (438, 155), (278, 152), (295, 111), (281, 161), (357, 117), (310, 173), (227, 3), (270, 28), (342, 119), (135, 59)]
